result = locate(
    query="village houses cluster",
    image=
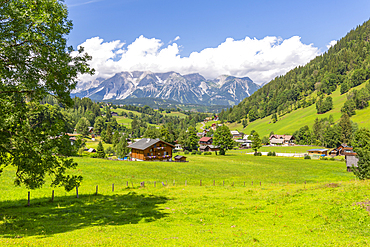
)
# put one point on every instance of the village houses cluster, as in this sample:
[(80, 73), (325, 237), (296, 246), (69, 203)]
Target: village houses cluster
[(147, 149)]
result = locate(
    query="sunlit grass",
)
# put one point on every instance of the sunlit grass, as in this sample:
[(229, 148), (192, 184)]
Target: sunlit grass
[(208, 201)]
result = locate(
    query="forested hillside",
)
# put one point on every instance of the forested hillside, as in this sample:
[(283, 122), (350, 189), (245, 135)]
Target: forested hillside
[(345, 65)]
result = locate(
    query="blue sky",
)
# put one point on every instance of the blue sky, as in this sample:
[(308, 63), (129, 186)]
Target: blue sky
[(198, 25)]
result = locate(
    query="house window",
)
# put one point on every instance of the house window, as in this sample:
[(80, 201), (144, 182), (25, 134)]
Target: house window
[(160, 145), (155, 145), (165, 153), (151, 154), (147, 154), (150, 150)]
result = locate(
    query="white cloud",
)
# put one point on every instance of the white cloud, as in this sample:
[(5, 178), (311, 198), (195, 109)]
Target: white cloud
[(261, 60), (331, 43)]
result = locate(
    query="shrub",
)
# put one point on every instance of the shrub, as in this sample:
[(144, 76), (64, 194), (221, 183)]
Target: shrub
[(207, 153), (332, 158), (193, 152), (323, 158), (307, 157), (199, 152), (269, 153), (94, 155), (257, 154), (109, 151), (273, 153), (186, 152)]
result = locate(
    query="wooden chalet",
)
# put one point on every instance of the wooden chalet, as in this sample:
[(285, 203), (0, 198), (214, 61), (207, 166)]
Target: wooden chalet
[(343, 149), (281, 140), (148, 149), (205, 141), (236, 134), (209, 148), (179, 158)]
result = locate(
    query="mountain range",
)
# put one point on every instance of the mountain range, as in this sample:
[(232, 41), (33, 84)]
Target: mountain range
[(186, 89)]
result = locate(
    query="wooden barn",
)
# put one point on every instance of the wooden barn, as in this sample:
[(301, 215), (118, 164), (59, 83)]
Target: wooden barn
[(180, 158), (317, 152), (351, 161), (148, 149)]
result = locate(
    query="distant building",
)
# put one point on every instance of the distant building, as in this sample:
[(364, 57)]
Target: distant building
[(281, 140), (205, 141), (114, 114), (201, 134), (178, 146), (317, 152), (244, 143), (343, 149), (236, 134), (209, 148), (351, 161)]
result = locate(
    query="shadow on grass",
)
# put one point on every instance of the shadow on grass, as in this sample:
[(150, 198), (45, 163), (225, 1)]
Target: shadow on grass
[(68, 213)]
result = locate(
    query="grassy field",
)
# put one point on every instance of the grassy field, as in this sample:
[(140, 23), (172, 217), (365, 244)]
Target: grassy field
[(174, 114), (298, 203), (291, 122)]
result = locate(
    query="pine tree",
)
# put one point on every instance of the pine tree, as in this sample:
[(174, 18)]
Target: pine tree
[(122, 150), (345, 129), (108, 135), (115, 140), (100, 150), (274, 118)]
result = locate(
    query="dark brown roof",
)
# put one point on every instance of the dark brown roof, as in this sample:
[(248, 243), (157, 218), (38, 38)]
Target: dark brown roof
[(146, 142)]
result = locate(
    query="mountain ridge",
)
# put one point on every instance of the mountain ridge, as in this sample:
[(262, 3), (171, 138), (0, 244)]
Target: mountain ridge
[(188, 89)]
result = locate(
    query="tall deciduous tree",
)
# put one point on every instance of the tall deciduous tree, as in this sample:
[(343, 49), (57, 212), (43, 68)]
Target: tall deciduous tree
[(223, 139), (256, 142), (152, 133), (35, 62), (361, 145), (82, 127), (192, 138), (99, 125)]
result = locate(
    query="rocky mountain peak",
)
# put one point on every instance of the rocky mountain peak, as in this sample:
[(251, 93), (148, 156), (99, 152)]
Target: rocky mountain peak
[(190, 89)]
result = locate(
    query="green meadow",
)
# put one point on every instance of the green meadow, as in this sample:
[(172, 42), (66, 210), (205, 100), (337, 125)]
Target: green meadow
[(232, 200)]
